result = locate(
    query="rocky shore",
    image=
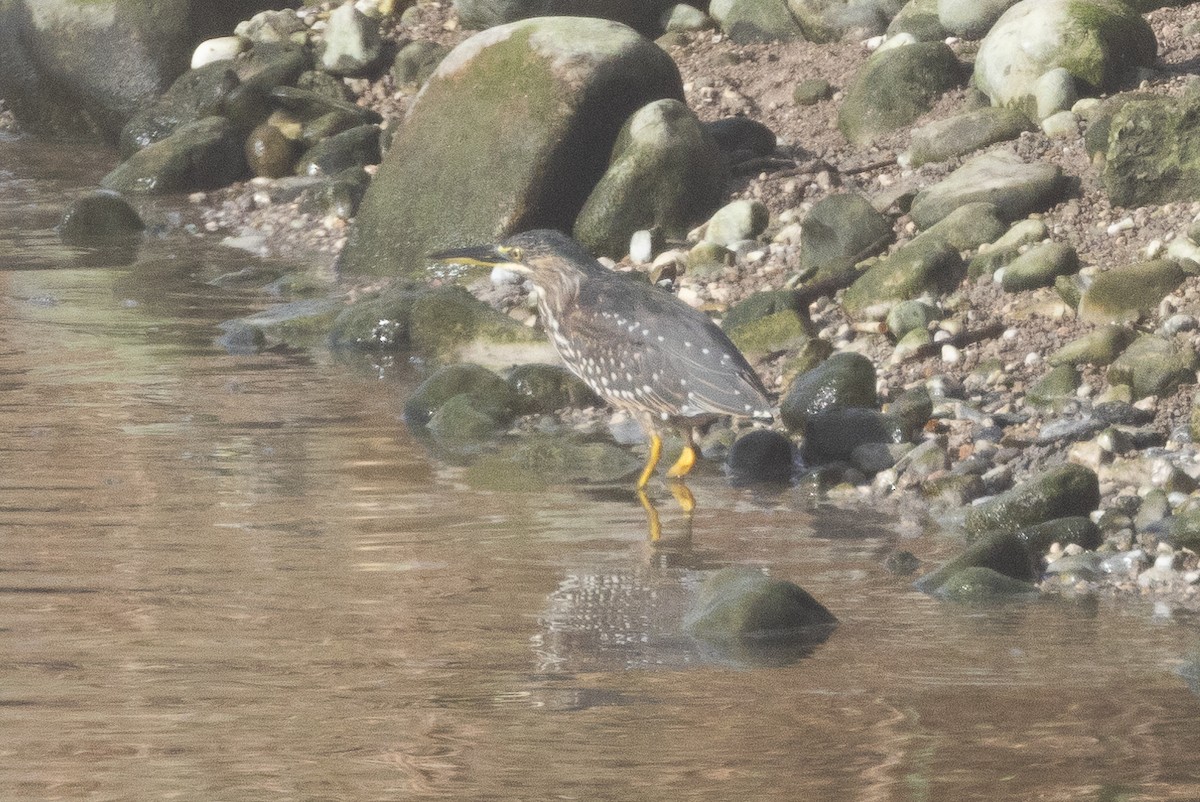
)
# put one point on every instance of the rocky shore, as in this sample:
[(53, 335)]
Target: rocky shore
[(994, 312)]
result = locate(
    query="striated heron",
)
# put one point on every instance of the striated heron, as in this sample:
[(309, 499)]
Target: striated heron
[(640, 348)]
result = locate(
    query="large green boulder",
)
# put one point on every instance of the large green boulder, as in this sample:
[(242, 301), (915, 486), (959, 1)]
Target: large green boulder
[(755, 20), (1153, 365), (204, 154), (842, 226), (512, 132), (831, 20), (84, 68), (1064, 491), (740, 602), (667, 173), (1153, 152), (1101, 43), (1125, 294), (923, 266), (895, 87)]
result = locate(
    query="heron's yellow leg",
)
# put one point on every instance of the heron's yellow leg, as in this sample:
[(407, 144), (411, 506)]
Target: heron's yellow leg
[(652, 521), (687, 458), (651, 460), (683, 496)]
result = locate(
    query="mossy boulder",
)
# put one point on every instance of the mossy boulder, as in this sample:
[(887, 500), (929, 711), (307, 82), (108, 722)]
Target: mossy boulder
[(486, 394), (981, 585), (1153, 152), (666, 173), (1153, 365), (742, 603), (1040, 266), (1055, 388), (967, 227), (1098, 347), (204, 154), (1013, 185), (192, 96), (999, 551), (842, 226), (1125, 294), (644, 16), (1060, 492), (296, 324), (964, 133), (98, 216), (512, 132), (846, 20), (747, 21), (928, 266), (761, 455), (896, 86), (1101, 43), (845, 379), (545, 388)]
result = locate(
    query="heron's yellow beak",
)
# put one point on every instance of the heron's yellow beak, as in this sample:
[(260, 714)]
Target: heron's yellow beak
[(484, 256)]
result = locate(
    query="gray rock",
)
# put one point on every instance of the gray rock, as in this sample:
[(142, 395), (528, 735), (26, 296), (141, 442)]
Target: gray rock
[(685, 17), (738, 602), (1060, 492), (1125, 294), (357, 147), (1150, 153), (202, 155), (965, 228), (666, 173), (812, 91), (1039, 266), (850, 20), (98, 216), (920, 267), (919, 18), (755, 20), (1076, 530), (845, 379), (1002, 552), (195, 94), (1153, 365), (1053, 92), (970, 19), (964, 133), (469, 165), (895, 87), (272, 27), (351, 44), (834, 435), (908, 316), (1014, 186), (1101, 43), (644, 16), (1098, 347), (735, 221), (416, 61), (741, 138), (761, 455), (1055, 388), (844, 226), (914, 407)]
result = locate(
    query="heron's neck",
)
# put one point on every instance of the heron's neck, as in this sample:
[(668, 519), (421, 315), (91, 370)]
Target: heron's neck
[(556, 294)]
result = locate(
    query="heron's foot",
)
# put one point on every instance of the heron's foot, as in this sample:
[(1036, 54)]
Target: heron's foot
[(685, 463)]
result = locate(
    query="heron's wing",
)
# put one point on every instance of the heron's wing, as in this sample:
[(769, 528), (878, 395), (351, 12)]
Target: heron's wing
[(676, 360)]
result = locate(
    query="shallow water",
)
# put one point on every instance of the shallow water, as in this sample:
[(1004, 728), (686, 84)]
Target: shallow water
[(241, 578)]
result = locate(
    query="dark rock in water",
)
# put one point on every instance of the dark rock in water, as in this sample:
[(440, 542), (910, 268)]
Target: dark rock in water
[(834, 435), (357, 147), (488, 393), (464, 420), (99, 215), (269, 153), (1002, 552), (914, 407), (741, 603), (761, 455), (845, 379), (201, 155), (535, 462), (901, 562), (194, 95), (978, 584), (241, 339), (546, 388), (1077, 530), (1064, 491)]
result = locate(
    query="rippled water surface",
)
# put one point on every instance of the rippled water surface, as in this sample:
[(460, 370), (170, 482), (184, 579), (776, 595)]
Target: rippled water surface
[(240, 578)]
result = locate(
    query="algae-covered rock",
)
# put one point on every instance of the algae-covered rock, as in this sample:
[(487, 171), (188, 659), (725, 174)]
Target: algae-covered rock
[(742, 603), (920, 267), (1100, 42), (546, 388), (642, 15), (896, 86), (416, 61), (297, 324), (204, 154), (785, 330), (1002, 552), (1016, 188), (755, 20), (1125, 294), (834, 435), (1152, 155), (1055, 388), (357, 147), (1040, 266), (1098, 347), (1153, 365), (970, 19), (511, 132), (1075, 530), (488, 394), (964, 133), (192, 96), (978, 584), (1060, 492), (842, 226), (909, 316), (98, 216), (667, 173), (536, 461), (845, 379), (846, 20), (761, 455), (967, 227)]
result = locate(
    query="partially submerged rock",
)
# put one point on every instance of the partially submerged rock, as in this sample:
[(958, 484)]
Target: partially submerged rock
[(741, 603), (1066, 490)]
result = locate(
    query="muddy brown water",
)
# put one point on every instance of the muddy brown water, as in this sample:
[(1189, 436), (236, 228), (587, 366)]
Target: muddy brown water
[(242, 578)]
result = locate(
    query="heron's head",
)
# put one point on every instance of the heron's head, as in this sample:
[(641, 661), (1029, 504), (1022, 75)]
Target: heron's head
[(549, 258)]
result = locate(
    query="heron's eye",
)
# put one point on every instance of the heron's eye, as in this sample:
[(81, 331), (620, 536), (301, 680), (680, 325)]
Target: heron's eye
[(515, 254)]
